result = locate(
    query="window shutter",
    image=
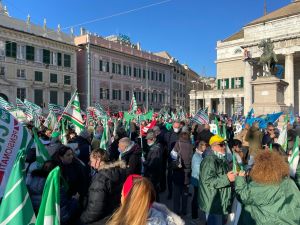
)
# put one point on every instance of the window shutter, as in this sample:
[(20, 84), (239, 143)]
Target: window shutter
[(219, 84), (232, 83), (242, 82), (227, 83)]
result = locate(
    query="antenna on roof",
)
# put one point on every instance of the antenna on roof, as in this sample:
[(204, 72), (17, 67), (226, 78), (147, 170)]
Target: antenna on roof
[(265, 7)]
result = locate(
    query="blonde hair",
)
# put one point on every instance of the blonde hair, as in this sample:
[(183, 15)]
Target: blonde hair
[(135, 207)]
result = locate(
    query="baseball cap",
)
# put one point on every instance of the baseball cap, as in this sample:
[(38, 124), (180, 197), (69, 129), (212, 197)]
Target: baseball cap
[(216, 139)]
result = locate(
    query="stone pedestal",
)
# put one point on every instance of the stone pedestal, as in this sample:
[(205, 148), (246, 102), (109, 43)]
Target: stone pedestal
[(268, 95)]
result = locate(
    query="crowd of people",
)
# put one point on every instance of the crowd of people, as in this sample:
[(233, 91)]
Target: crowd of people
[(122, 185)]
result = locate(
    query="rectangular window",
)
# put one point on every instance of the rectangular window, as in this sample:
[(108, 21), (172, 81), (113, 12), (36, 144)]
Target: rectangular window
[(59, 59), (53, 58), (53, 78), (124, 70), (156, 78), (21, 93), (129, 70), (101, 93), (21, 73), (164, 78), (38, 97), (152, 75), (29, 53), (100, 65), (113, 68), (38, 76), (67, 80), (140, 72), (107, 67), (160, 77), (67, 97), (2, 71), (232, 83), (11, 49), (127, 95), (134, 72), (144, 96), (107, 94), (21, 51), (46, 56), (226, 83), (219, 84), (242, 82), (119, 69), (53, 97), (144, 74), (67, 60)]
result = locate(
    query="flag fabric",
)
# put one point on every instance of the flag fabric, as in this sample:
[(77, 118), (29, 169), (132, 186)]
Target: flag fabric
[(50, 121), (42, 154), (14, 136), (16, 206), (105, 139), (35, 108), (201, 117), (133, 105), (218, 128), (148, 127), (49, 212), (6, 105), (294, 158), (282, 139), (72, 113), (63, 131), (27, 111), (57, 109)]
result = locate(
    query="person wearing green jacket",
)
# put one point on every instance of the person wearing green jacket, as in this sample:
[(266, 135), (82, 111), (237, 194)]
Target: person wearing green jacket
[(271, 197), (215, 195)]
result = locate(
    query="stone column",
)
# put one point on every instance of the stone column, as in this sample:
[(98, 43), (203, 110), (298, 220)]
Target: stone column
[(208, 104), (248, 87), (289, 77)]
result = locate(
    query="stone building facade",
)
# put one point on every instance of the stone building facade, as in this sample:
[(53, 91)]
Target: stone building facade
[(117, 69), (36, 63), (237, 58)]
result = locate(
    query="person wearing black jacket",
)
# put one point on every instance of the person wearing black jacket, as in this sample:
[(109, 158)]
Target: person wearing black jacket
[(131, 154), (153, 162), (105, 190)]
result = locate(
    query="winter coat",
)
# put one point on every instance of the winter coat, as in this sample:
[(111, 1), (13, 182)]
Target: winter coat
[(254, 137), (159, 214), (215, 195), (35, 190), (132, 158), (185, 150), (104, 193), (266, 204), (196, 161), (153, 163), (204, 135), (113, 150), (297, 176), (170, 139)]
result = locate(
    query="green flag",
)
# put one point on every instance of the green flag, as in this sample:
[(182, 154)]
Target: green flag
[(42, 154), (16, 206), (294, 158), (49, 212), (104, 143), (217, 124)]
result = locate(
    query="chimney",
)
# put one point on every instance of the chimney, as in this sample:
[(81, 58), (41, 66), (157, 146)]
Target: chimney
[(82, 31)]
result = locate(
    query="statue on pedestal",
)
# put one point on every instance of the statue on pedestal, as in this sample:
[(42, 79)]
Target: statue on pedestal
[(268, 58)]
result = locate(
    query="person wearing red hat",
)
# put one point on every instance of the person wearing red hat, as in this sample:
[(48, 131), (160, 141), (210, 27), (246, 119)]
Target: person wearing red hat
[(138, 206)]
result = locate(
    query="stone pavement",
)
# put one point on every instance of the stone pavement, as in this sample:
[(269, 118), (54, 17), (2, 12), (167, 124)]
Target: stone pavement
[(188, 218)]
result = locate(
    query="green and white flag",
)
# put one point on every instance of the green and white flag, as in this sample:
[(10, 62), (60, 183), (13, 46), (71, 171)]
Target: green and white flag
[(63, 131), (72, 113), (35, 108), (13, 137), (42, 154), (16, 206), (105, 139), (294, 158), (133, 105), (49, 212), (50, 121), (282, 139)]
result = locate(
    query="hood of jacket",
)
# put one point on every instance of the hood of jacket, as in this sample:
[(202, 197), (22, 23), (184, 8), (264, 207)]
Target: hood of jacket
[(112, 170), (160, 214)]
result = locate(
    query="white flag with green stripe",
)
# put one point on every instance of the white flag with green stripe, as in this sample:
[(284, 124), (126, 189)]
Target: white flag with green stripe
[(49, 212), (294, 158), (282, 139), (13, 137), (73, 113), (16, 206), (105, 139), (42, 154)]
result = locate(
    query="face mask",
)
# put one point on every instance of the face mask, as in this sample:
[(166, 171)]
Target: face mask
[(198, 151), (150, 144), (176, 130)]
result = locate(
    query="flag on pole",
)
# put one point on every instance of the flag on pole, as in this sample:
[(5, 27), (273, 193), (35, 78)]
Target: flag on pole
[(50, 121), (49, 212), (27, 111), (16, 206), (133, 105), (294, 158), (35, 108), (105, 139), (201, 117), (57, 109), (148, 127), (72, 113), (14, 136), (6, 105), (282, 139), (42, 154), (63, 131), (218, 128)]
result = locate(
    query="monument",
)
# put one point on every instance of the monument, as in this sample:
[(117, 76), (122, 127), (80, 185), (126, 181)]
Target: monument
[(268, 90)]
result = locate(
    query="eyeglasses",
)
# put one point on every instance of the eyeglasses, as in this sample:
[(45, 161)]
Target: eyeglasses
[(271, 129), (221, 144)]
